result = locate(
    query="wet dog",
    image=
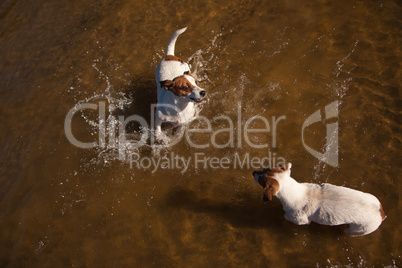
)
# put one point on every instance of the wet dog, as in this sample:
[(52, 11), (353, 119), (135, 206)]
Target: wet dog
[(325, 203), (178, 92)]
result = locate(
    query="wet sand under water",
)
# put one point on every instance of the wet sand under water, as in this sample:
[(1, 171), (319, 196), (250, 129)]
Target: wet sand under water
[(61, 205)]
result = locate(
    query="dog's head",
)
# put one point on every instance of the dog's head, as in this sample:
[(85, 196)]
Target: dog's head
[(185, 86), (269, 179)]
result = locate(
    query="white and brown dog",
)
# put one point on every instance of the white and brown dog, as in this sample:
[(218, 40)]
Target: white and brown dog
[(321, 203), (178, 92)]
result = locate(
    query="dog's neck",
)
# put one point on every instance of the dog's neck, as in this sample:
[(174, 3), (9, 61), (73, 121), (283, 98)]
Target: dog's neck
[(178, 102), (291, 193)]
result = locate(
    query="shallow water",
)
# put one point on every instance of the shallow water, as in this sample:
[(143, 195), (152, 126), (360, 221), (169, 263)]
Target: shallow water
[(61, 205)]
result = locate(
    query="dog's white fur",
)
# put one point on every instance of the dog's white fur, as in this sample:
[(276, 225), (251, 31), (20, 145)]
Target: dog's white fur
[(322, 203), (178, 92)]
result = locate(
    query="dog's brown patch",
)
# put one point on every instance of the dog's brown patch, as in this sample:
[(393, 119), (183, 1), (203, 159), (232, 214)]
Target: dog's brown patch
[(383, 216), (266, 180), (180, 86), (173, 58), (271, 189)]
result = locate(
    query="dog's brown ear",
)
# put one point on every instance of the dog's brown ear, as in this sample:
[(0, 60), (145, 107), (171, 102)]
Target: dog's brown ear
[(281, 166), (270, 190), (167, 84), (266, 196)]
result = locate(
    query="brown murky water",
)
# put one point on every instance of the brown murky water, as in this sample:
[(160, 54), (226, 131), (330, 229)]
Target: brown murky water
[(61, 205)]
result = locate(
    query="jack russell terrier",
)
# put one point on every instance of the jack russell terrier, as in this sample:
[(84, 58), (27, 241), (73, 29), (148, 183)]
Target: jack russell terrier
[(178, 92), (321, 203)]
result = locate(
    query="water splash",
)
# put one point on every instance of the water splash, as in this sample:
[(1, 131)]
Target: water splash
[(341, 87), (114, 142)]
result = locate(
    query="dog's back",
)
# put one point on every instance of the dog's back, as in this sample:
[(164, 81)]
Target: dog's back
[(340, 205)]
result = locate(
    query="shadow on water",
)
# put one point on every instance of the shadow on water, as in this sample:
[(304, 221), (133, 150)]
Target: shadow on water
[(247, 214), (238, 214), (142, 92)]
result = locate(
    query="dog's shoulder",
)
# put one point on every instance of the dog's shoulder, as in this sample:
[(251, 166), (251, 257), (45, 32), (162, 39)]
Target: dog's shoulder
[(170, 68), (314, 192), (173, 58)]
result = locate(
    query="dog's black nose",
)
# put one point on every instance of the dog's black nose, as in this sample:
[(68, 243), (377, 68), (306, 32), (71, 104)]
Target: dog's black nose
[(254, 173), (203, 93)]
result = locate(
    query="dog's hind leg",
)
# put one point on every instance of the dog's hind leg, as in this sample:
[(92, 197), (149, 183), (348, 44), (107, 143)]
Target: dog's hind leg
[(359, 229), (363, 229), (355, 230), (296, 218)]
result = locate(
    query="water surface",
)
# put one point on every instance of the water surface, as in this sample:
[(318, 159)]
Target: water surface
[(61, 205)]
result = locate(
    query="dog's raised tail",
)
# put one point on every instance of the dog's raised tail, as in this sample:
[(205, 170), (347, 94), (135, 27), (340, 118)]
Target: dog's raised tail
[(172, 41)]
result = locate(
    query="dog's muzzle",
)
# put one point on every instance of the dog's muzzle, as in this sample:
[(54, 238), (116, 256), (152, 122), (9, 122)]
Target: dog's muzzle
[(198, 100)]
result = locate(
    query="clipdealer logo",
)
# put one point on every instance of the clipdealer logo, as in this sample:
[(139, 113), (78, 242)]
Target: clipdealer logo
[(239, 134), (202, 161), (331, 154)]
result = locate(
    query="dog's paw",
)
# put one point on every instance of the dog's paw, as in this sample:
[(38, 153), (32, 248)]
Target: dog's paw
[(156, 152)]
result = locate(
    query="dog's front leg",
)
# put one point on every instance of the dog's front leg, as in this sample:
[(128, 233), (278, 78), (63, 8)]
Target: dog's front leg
[(297, 218), (158, 128)]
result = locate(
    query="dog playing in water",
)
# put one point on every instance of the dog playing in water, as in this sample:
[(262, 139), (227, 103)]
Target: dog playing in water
[(178, 92), (325, 203)]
